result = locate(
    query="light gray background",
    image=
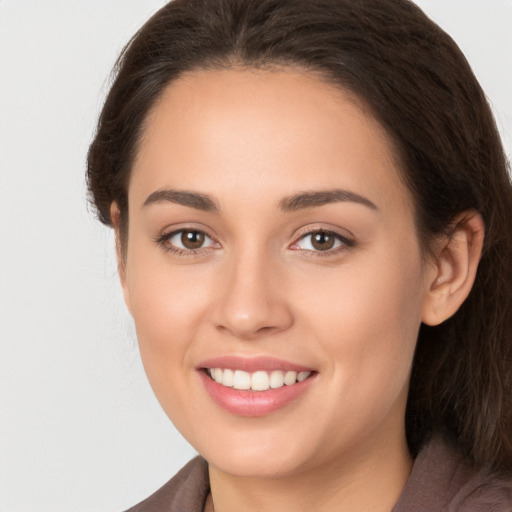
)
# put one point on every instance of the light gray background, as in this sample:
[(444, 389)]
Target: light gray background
[(80, 430)]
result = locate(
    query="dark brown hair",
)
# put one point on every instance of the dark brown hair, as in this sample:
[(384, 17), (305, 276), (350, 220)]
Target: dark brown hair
[(418, 84)]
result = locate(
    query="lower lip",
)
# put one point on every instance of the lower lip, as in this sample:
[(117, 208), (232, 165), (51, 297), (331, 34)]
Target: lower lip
[(253, 403)]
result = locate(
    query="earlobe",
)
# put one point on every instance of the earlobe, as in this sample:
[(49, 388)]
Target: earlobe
[(115, 215), (454, 269)]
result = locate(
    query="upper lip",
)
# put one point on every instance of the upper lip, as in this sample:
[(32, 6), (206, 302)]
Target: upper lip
[(252, 364)]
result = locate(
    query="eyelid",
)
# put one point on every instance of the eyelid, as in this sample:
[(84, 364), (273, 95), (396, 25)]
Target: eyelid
[(343, 233), (347, 239), (344, 236), (163, 238)]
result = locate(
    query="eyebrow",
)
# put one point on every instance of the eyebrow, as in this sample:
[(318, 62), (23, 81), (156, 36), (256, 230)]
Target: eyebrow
[(314, 199), (303, 200), (183, 197)]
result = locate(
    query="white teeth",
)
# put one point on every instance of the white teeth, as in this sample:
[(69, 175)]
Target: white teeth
[(228, 377), (277, 379), (303, 376), (260, 381), (256, 381), (290, 378), (217, 375), (241, 380)]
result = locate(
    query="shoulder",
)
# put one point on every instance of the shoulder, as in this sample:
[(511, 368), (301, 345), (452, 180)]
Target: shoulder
[(441, 480), (185, 492)]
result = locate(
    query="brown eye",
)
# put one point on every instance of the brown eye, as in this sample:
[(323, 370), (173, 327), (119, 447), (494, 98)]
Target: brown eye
[(192, 239), (322, 240), (187, 241)]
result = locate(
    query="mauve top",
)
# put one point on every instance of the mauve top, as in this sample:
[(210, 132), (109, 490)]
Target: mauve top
[(439, 481)]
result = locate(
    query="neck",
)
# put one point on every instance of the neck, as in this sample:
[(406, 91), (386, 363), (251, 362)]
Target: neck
[(362, 482)]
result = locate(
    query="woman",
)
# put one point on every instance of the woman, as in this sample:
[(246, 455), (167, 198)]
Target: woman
[(312, 210)]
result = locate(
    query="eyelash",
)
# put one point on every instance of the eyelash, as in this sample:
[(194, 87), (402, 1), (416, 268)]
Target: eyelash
[(164, 242), (344, 242)]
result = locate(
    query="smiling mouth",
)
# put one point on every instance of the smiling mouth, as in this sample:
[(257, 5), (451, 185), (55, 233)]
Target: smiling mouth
[(256, 381)]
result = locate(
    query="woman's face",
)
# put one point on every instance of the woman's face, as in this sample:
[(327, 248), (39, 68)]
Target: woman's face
[(270, 241)]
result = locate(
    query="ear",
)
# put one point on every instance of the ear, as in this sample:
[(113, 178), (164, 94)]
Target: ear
[(115, 219), (454, 268)]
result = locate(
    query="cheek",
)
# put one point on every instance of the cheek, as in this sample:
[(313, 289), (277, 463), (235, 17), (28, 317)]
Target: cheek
[(167, 304), (367, 321), (167, 310)]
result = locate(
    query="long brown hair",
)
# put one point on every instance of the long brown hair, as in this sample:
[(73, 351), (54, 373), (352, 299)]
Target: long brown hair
[(417, 83)]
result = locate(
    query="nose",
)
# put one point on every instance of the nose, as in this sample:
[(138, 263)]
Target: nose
[(252, 301)]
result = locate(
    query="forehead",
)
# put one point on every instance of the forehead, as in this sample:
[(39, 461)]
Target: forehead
[(230, 131)]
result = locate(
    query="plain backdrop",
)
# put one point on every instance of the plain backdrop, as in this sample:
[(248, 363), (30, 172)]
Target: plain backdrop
[(80, 430)]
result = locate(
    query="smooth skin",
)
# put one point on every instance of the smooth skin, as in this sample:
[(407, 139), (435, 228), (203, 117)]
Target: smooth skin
[(231, 268)]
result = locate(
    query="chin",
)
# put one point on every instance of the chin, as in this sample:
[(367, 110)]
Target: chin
[(256, 465), (257, 454)]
